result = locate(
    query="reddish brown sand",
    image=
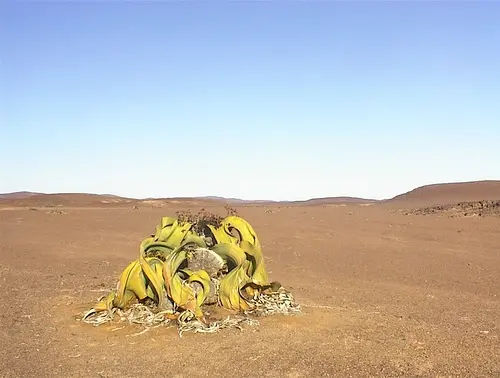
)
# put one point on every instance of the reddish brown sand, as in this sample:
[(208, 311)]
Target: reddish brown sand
[(383, 293)]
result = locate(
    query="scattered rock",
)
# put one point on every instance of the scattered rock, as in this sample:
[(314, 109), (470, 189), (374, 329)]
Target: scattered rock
[(56, 211), (271, 210), (461, 209)]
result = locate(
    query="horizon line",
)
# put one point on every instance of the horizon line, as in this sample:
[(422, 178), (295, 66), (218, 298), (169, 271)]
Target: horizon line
[(214, 197)]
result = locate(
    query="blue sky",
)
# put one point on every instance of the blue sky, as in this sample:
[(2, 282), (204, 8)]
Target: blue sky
[(256, 100)]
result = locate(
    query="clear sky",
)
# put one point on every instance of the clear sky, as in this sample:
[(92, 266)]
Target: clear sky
[(256, 100)]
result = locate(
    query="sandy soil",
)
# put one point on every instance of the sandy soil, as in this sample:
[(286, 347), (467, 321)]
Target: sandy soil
[(383, 294)]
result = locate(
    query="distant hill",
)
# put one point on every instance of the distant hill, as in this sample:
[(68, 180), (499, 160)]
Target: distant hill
[(312, 201), (17, 195), (84, 199), (29, 199), (60, 199), (451, 193), (425, 195), (234, 200), (333, 200)]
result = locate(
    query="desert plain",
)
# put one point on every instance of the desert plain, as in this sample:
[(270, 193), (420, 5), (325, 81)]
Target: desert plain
[(404, 287)]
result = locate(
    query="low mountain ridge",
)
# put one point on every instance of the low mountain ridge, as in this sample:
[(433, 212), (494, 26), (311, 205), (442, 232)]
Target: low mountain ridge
[(433, 194), (18, 195), (86, 199), (447, 193), (334, 200)]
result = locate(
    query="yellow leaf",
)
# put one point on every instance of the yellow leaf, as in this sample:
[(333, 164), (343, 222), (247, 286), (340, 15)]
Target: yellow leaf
[(257, 269), (231, 254), (229, 290)]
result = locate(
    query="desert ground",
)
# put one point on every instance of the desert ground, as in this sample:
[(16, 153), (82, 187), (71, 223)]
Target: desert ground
[(385, 290)]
